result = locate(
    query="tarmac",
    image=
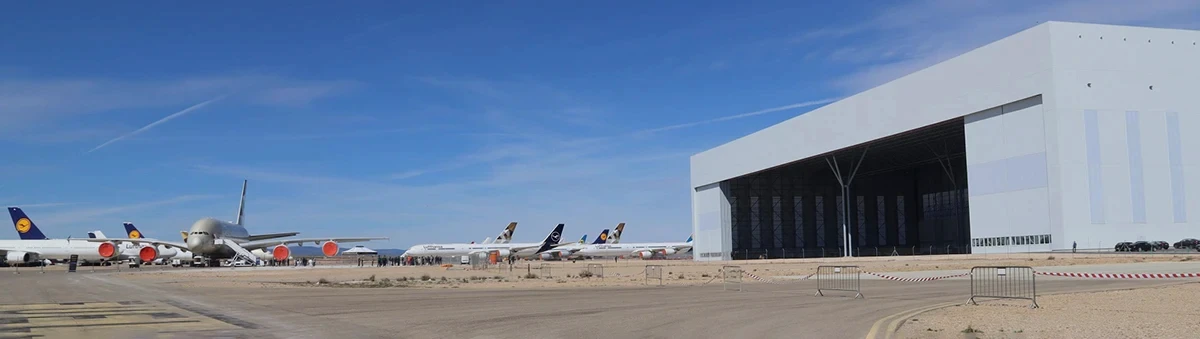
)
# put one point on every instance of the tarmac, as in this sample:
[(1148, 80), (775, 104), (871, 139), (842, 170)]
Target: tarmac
[(57, 304)]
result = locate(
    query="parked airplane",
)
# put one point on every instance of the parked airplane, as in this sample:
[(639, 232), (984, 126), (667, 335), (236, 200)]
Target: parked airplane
[(215, 239), (162, 253), (504, 237), (568, 251), (507, 234), (504, 250), (641, 250), (34, 246), (616, 236)]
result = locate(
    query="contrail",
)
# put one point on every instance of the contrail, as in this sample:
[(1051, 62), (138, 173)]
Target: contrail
[(156, 123), (739, 116)]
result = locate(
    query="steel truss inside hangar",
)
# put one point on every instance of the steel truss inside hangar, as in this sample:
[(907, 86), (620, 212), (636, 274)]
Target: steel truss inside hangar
[(907, 195)]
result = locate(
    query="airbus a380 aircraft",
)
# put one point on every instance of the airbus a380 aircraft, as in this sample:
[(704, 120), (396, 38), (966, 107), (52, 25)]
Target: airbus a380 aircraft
[(505, 250), (215, 239)]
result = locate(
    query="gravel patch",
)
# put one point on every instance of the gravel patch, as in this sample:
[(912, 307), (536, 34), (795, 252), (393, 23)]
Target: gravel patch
[(1157, 312)]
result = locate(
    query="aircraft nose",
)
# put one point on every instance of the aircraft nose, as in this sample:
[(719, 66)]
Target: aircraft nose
[(199, 242)]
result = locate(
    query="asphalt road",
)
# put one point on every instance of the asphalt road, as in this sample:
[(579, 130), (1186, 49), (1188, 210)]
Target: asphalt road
[(84, 304)]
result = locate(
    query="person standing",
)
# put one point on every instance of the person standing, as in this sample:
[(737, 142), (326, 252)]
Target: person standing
[(1073, 245)]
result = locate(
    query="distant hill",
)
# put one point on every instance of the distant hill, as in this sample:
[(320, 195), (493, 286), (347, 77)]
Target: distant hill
[(312, 251)]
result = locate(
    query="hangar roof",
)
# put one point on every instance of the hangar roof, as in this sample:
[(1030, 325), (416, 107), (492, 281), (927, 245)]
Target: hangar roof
[(1010, 69)]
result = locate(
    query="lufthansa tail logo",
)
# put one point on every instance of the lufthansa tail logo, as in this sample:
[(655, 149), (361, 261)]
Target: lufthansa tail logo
[(23, 225), (554, 236), (134, 234), (603, 236)]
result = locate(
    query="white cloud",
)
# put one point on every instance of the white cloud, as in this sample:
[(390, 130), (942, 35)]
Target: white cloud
[(89, 214), (32, 107), (906, 37)]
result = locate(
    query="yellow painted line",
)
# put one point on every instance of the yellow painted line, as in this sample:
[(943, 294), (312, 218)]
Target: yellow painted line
[(894, 321)]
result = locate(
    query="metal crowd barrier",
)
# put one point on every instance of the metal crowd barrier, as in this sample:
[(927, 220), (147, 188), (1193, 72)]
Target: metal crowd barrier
[(732, 276), (545, 271), (1004, 282), (597, 270), (654, 272), (839, 278)]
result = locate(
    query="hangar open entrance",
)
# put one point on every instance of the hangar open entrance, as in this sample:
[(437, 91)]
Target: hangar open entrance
[(907, 196)]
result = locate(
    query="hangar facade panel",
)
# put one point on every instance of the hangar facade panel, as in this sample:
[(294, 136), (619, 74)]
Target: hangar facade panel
[(1063, 140)]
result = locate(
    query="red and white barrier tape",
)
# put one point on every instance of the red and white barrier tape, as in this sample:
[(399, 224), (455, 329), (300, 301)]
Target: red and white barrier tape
[(1055, 274), (1120, 275), (888, 277), (756, 277)]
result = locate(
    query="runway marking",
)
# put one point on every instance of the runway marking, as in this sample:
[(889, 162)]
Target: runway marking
[(73, 319), (894, 321)]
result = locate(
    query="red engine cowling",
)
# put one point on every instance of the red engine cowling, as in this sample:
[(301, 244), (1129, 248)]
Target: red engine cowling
[(280, 253), (329, 248), (148, 253), (108, 250), (645, 254)]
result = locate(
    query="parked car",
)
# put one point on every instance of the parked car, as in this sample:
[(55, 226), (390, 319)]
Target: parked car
[(1188, 243), (1142, 246), (1161, 245), (1123, 246)]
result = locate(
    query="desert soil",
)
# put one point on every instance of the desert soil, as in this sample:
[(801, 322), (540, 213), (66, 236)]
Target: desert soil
[(1156, 312)]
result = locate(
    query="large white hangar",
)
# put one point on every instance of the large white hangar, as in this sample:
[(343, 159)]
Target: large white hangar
[(1061, 134)]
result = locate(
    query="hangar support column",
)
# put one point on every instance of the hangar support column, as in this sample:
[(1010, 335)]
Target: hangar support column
[(845, 182)]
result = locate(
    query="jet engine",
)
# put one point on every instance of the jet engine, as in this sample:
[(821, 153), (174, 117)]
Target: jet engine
[(329, 248), (555, 255), (166, 253), (645, 254), (147, 253), (667, 251), (108, 250), (281, 252), (14, 257)]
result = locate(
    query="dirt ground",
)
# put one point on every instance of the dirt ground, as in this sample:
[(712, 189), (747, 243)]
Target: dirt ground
[(615, 274), (1159, 312)]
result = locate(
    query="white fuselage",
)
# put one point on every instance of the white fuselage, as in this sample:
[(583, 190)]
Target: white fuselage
[(450, 250), (614, 250), (56, 249), (201, 238)]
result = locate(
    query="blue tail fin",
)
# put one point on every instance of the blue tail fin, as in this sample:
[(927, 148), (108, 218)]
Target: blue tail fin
[(132, 231), (25, 227), (583, 240), (602, 238), (689, 239), (551, 239)]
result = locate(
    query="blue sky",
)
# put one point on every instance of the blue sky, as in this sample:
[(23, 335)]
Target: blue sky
[(444, 121)]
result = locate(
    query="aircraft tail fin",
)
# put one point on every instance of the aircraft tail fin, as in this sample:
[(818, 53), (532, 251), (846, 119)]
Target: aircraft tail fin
[(97, 234), (242, 204), (132, 231), (25, 227), (551, 239), (506, 235), (602, 238), (689, 238), (487, 240), (616, 236), (184, 235), (583, 240)]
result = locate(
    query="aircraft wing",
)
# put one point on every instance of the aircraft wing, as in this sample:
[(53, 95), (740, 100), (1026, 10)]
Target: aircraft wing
[(522, 248), (257, 237), (156, 242), (261, 244)]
